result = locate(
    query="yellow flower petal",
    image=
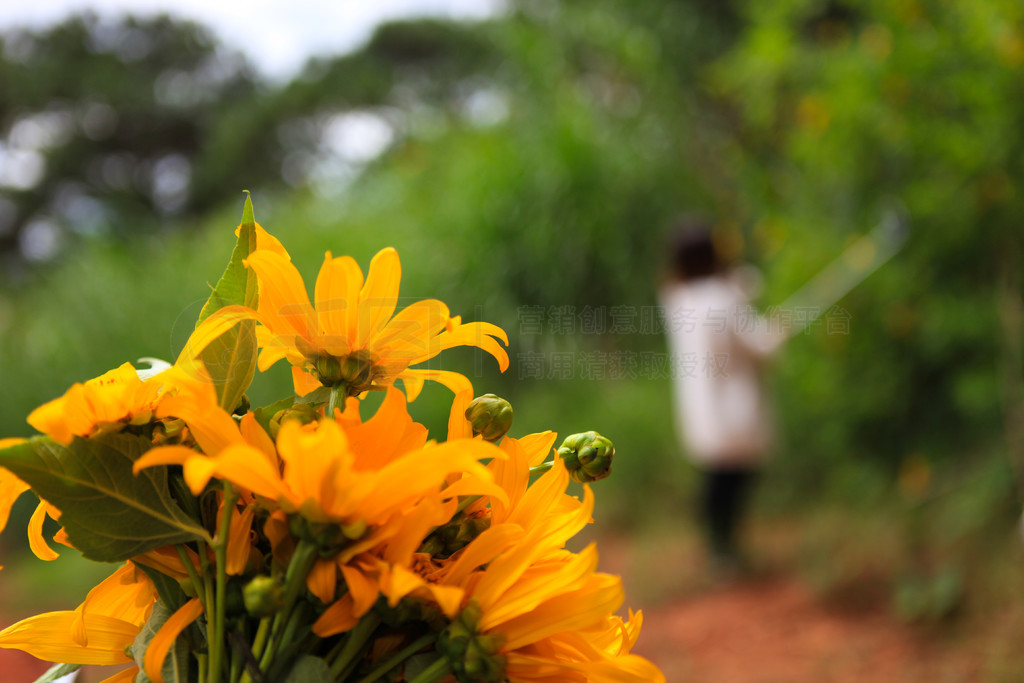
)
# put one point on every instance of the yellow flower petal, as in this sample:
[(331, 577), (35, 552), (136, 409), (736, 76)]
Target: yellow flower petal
[(322, 580), (239, 543), (361, 588), (164, 455), (126, 676), (337, 303), (244, 466), (303, 382), (458, 426), (167, 561), (283, 303), (127, 594), (10, 489), (484, 548), (408, 334), (401, 582), (448, 598), (156, 653), (47, 637), (264, 240), (219, 322), (112, 397), (390, 433), (275, 347), (313, 478), (479, 334), (211, 426), (601, 596), (337, 618), (379, 295), (413, 379), (421, 519), (253, 434), (36, 542), (540, 583)]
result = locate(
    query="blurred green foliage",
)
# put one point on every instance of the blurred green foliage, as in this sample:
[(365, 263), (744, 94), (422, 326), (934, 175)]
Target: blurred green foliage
[(537, 161)]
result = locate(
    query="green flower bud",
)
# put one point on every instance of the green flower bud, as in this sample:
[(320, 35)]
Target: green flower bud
[(491, 416), (263, 596), (357, 371), (303, 412), (587, 456), (473, 656)]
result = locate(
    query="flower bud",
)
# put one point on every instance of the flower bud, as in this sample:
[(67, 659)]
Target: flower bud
[(473, 656), (491, 417), (263, 596), (587, 456), (303, 412), (357, 371)]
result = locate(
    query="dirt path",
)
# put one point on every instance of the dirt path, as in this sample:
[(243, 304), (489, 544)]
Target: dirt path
[(775, 631)]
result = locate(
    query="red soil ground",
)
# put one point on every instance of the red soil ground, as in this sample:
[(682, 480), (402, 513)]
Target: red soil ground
[(776, 631)]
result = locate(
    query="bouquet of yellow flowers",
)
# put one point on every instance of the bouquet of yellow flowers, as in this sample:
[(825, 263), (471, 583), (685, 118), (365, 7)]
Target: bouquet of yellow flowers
[(303, 541)]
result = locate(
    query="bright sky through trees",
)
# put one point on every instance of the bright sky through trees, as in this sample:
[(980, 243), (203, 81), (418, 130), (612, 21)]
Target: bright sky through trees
[(277, 36)]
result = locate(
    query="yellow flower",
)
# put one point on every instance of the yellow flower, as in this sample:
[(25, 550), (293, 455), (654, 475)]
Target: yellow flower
[(546, 612), (326, 477), (103, 404), (103, 627), (47, 636), (98, 631), (350, 336), (162, 642), (533, 607)]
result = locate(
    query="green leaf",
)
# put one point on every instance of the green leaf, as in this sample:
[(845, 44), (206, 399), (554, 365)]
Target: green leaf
[(231, 358), (176, 667), (109, 513), (309, 669), (57, 671), (317, 396)]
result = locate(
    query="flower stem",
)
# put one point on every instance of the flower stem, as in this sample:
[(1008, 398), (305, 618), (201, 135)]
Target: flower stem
[(302, 561), (193, 576), (262, 633), (354, 644), (466, 502), (236, 666), (210, 591), (542, 468), (220, 549), (408, 651), (435, 672), (332, 403)]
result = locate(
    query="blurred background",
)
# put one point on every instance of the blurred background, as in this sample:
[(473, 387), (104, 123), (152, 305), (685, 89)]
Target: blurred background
[(527, 159)]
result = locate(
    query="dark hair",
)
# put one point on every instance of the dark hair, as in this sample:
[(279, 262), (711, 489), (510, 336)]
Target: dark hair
[(693, 251)]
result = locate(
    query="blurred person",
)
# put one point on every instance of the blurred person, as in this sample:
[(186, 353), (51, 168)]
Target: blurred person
[(718, 345)]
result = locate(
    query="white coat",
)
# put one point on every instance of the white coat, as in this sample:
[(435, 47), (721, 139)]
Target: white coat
[(717, 343)]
